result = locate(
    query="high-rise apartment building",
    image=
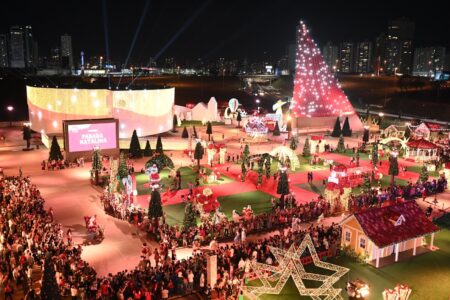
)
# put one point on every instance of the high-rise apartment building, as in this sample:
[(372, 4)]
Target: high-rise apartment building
[(66, 51), (363, 57), (346, 57), (16, 38), (428, 61), (3, 51), (399, 48), (330, 53)]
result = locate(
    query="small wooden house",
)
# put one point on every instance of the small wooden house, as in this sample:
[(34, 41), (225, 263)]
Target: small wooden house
[(382, 232)]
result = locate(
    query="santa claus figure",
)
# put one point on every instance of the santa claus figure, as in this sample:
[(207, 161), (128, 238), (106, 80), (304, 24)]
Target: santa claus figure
[(154, 177)]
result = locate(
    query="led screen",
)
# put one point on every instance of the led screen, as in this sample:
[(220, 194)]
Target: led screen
[(84, 137)]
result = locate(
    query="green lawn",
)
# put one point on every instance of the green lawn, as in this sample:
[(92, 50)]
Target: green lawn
[(418, 169), (362, 156), (428, 275), (316, 186), (174, 213), (187, 175), (259, 201), (198, 123)]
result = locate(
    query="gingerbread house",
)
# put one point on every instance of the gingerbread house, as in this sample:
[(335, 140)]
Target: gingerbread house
[(381, 232), (317, 143)]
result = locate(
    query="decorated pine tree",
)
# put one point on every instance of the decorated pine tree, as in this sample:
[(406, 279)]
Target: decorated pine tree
[(245, 153), (337, 132), (185, 133), (122, 171), (393, 167), (159, 145), (289, 128), (96, 160), (198, 154), (366, 186), (307, 148), (283, 184), (194, 134), (243, 171), (175, 123), (135, 146), (55, 150), (276, 130), (340, 146), (294, 142), (190, 219), (346, 131), (375, 154), (209, 130), (148, 149), (260, 170), (366, 136), (407, 132), (49, 290), (424, 174), (26, 132), (267, 165), (155, 208), (239, 118)]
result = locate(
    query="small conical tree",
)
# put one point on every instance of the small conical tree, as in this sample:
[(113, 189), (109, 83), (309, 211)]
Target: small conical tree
[(307, 148), (267, 165), (26, 135), (294, 142), (366, 136), (283, 184), (424, 174), (276, 130), (122, 170), (190, 219), (49, 290), (175, 123), (185, 134), (289, 129), (198, 154), (209, 130), (195, 132), (375, 154), (243, 171), (260, 170), (407, 132), (96, 160), (340, 146), (159, 145), (135, 146), (148, 149), (346, 131), (337, 132), (239, 118), (245, 153), (366, 186), (393, 168), (155, 208), (55, 150)]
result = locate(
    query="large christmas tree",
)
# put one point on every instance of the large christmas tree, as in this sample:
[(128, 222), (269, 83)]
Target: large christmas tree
[(346, 131), (122, 171), (337, 132), (49, 290), (294, 142), (283, 184), (148, 149), (307, 148), (276, 130), (245, 153), (198, 154), (316, 91), (96, 160), (190, 219), (424, 174), (159, 145), (366, 186), (340, 146), (155, 207), (393, 168), (55, 150), (135, 146), (375, 154), (209, 130)]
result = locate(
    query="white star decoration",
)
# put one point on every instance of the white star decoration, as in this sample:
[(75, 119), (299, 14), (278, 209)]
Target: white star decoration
[(289, 264)]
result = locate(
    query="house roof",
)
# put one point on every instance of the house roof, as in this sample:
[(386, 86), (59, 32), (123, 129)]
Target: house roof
[(379, 224), (434, 127), (421, 144), (317, 137)]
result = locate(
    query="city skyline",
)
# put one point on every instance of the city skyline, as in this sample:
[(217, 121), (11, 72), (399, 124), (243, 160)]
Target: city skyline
[(251, 28)]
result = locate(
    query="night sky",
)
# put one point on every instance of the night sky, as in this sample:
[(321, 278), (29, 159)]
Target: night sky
[(211, 29)]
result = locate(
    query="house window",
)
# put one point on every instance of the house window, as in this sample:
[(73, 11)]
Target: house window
[(362, 243), (348, 236)]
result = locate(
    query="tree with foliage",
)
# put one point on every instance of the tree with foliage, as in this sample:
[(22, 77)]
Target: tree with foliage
[(424, 174), (245, 153), (276, 130), (393, 168), (366, 186), (198, 154), (155, 208), (346, 131), (239, 118), (209, 130), (365, 136), (294, 142), (190, 219), (243, 170), (185, 134), (26, 131), (267, 165), (135, 146), (307, 148), (175, 123), (148, 149), (159, 145), (194, 134), (341, 145), (260, 170), (337, 132), (55, 150), (283, 184), (161, 161), (96, 160), (122, 170), (407, 134), (375, 159), (49, 290), (289, 128)]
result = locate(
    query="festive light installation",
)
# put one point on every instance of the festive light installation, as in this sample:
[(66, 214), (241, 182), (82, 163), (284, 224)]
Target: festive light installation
[(290, 264), (316, 92)]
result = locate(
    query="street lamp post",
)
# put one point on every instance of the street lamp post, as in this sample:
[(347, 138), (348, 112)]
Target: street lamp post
[(10, 109)]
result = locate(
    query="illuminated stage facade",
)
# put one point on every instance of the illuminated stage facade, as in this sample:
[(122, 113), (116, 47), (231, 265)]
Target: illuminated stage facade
[(149, 111)]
